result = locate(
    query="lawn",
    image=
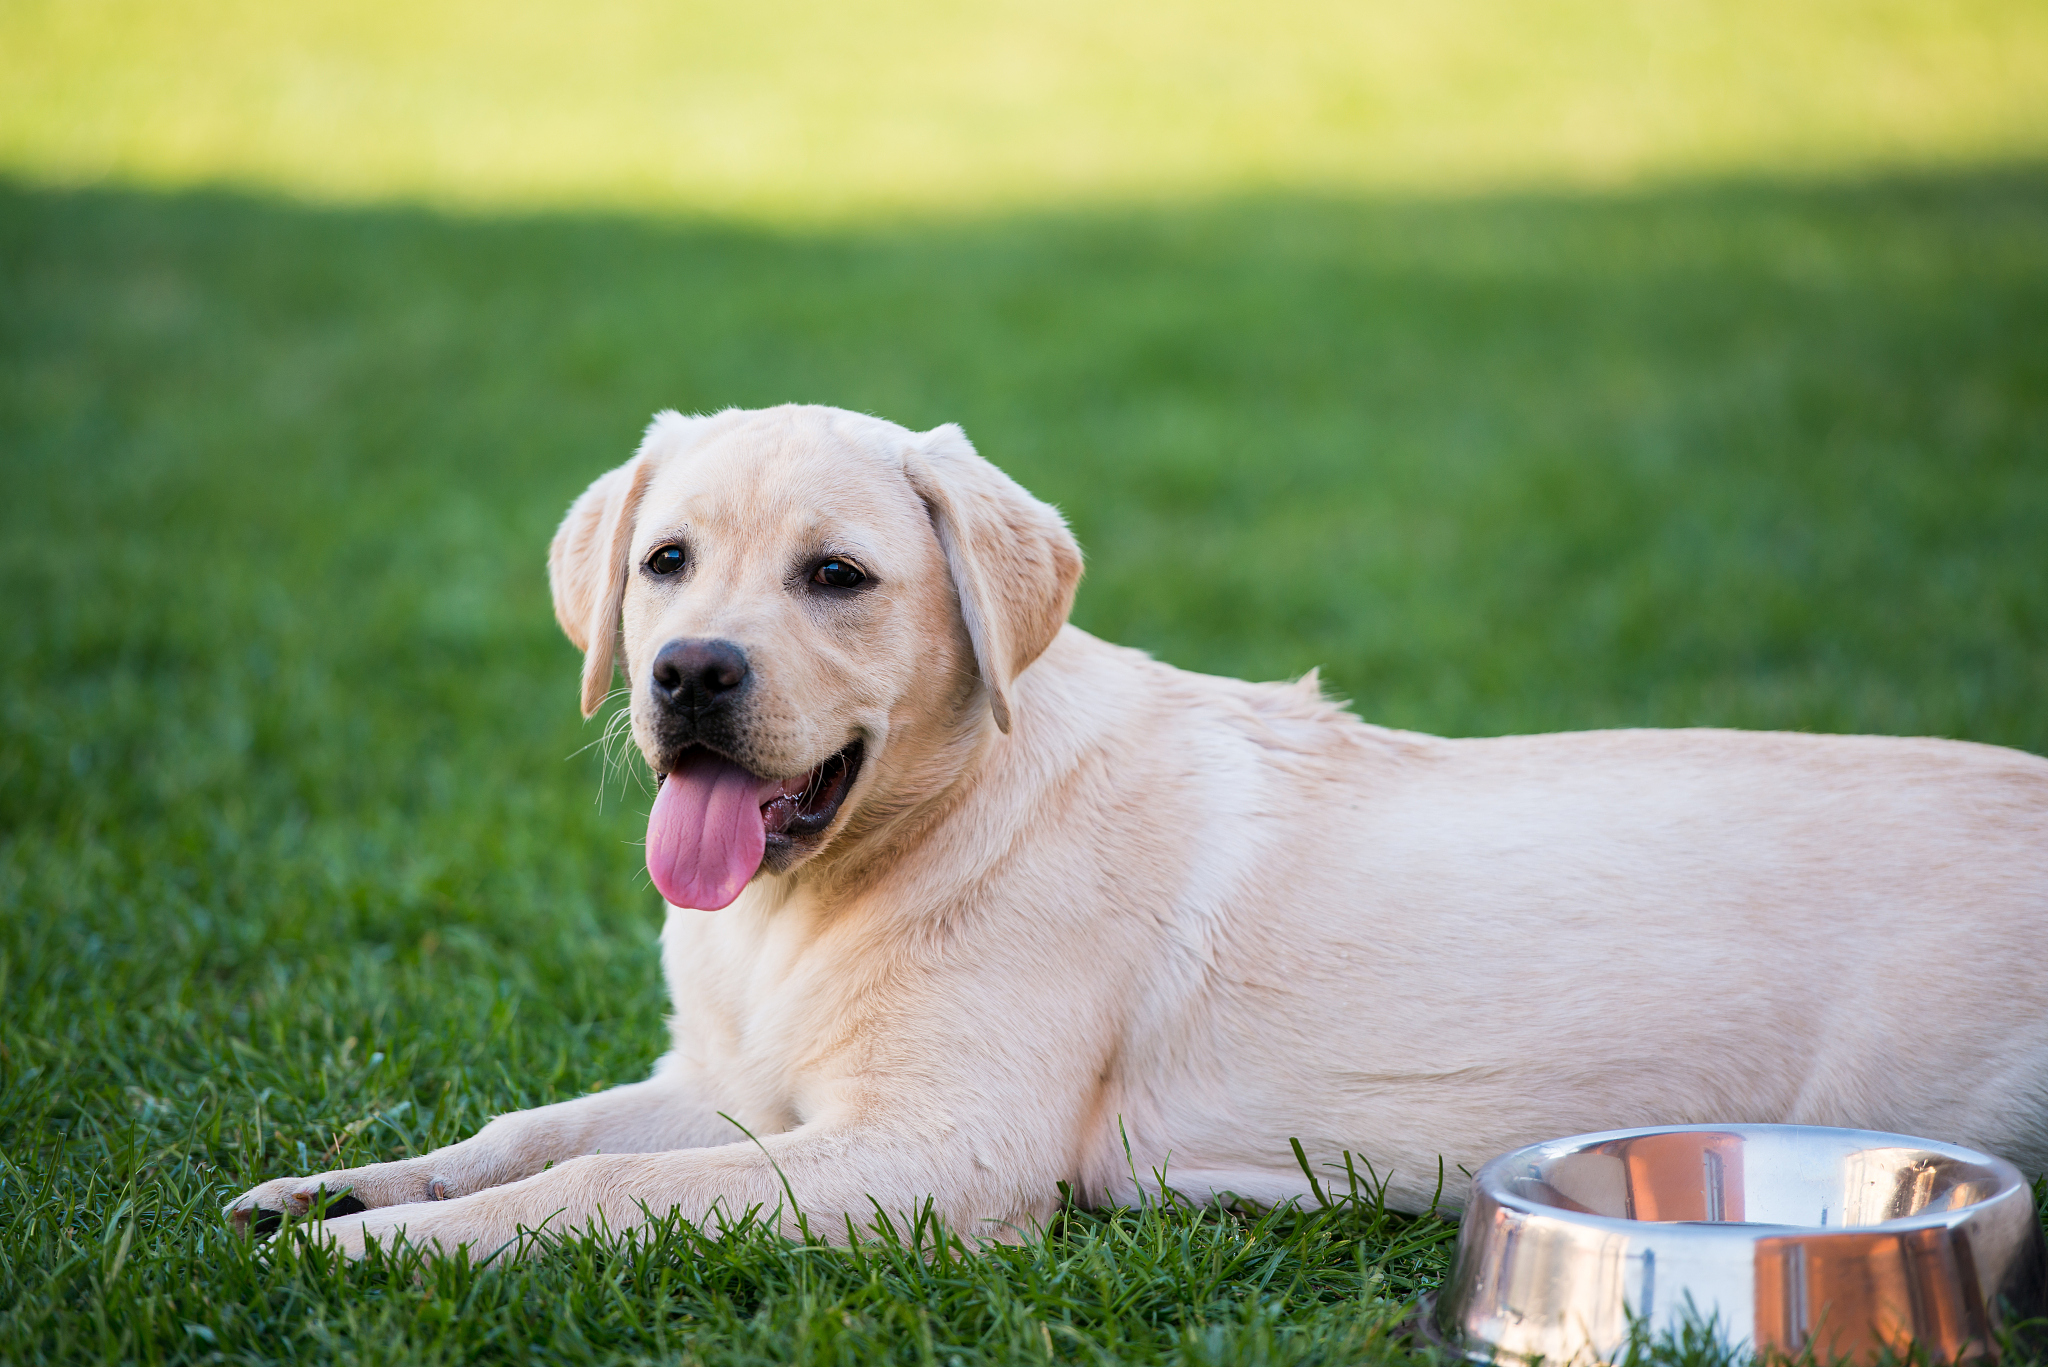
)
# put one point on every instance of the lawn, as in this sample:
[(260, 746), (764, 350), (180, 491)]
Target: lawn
[(304, 859)]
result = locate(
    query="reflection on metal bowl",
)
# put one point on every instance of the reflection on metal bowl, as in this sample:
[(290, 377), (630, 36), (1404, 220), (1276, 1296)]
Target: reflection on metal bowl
[(1782, 1236)]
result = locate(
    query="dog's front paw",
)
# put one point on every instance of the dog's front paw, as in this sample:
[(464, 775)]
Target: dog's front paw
[(262, 1209), (436, 1230), (351, 1236)]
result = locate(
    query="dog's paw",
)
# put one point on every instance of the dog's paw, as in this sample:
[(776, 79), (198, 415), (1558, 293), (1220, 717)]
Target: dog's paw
[(349, 1235), (432, 1229), (263, 1209)]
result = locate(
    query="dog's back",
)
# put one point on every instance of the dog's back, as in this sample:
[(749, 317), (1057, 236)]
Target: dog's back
[(1411, 947)]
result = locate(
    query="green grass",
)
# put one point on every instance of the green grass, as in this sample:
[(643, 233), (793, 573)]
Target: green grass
[(298, 855)]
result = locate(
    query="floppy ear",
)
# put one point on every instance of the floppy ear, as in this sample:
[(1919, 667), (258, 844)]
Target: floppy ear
[(587, 567), (1013, 561)]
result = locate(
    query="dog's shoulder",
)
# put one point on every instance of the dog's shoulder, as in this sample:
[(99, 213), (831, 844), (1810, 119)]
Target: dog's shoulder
[(1086, 695)]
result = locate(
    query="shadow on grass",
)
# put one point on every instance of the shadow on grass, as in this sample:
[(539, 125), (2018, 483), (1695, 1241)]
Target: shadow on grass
[(1767, 455)]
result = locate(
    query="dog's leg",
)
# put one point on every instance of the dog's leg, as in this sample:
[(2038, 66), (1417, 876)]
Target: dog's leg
[(665, 1112), (834, 1173)]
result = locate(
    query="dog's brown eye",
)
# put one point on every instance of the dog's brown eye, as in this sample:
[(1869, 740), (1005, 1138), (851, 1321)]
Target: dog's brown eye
[(666, 560), (838, 574)]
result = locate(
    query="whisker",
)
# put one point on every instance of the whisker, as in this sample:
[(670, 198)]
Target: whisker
[(612, 742)]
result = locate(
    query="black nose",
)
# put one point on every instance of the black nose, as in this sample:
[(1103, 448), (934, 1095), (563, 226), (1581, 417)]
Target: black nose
[(696, 674)]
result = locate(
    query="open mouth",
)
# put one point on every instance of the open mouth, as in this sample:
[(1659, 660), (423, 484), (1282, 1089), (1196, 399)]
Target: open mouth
[(715, 823), (806, 804)]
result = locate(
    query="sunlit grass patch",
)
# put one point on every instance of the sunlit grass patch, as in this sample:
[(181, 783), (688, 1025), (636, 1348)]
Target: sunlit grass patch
[(797, 109)]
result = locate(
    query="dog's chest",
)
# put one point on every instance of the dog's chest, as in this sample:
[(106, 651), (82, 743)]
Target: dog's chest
[(756, 1005)]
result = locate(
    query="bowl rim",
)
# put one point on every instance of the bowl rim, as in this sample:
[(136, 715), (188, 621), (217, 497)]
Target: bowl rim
[(1488, 1182)]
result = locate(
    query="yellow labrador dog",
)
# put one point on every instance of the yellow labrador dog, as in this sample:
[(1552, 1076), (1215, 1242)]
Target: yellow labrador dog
[(963, 901)]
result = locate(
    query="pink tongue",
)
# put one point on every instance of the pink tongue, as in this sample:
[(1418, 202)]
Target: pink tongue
[(704, 836)]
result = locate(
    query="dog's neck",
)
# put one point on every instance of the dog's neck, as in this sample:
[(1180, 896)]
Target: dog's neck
[(922, 781)]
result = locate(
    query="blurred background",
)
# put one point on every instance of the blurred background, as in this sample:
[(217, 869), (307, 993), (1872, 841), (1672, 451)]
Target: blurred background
[(801, 111), (1524, 364)]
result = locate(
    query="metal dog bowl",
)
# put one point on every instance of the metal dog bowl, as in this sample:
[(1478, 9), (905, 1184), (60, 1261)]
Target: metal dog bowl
[(1780, 1236)]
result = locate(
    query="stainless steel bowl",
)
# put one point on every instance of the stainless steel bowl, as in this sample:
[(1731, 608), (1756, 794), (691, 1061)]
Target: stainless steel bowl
[(1780, 1236)]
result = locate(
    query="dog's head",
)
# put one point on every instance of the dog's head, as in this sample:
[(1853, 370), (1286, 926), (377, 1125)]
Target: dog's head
[(820, 614)]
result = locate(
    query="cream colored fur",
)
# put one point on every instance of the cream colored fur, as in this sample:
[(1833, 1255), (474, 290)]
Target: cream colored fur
[(1079, 898)]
